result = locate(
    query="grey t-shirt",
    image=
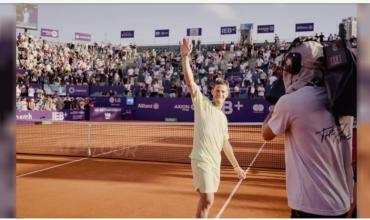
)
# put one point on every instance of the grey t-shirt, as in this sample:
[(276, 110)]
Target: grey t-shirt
[(317, 155)]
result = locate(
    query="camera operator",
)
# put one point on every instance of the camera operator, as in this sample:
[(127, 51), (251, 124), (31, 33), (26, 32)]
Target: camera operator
[(319, 176)]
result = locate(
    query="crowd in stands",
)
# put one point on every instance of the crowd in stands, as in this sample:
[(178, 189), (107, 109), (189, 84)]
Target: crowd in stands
[(250, 70)]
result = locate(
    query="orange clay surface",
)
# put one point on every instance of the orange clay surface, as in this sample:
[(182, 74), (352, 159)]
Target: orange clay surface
[(129, 189)]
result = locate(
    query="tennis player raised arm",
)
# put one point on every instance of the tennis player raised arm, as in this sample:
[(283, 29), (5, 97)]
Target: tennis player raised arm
[(186, 48), (229, 153)]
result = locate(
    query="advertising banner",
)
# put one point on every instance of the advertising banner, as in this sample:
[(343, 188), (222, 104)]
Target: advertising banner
[(105, 114), (77, 90), (74, 115), (262, 29), (302, 27), (45, 32), (109, 101), (228, 30), (236, 110), (162, 33), (23, 116), (82, 36), (127, 34), (194, 32)]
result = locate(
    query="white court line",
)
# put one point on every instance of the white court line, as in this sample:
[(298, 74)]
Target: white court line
[(238, 184), (85, 158)]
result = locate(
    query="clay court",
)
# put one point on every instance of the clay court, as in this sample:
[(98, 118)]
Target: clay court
[(133, 169)]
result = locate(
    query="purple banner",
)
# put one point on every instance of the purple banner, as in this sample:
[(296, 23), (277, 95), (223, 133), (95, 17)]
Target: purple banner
[(194, 32), (105, 114), (127, 34), (45, 32), (236, 110), (162, 33), (261, 29), (74, 115), (154, 109), (23, 116), (82, 36), (228, 30), (80, 91), (302, 27), (105, 90), (35, 85), (158, 109), (109, 101)]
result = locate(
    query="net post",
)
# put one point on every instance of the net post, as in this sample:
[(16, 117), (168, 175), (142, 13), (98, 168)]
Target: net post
[(89, 140)]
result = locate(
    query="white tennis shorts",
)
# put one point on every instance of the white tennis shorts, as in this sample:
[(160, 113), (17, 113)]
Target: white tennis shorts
[(206, 178)]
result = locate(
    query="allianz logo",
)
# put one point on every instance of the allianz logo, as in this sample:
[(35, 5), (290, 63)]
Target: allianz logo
[(154, 106), (24, 117), (184, 107)]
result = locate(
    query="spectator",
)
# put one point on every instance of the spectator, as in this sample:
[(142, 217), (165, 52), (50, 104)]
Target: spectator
[(252, 91), (23, 104), (321, 37), (330, 38), (61, 64), (261, 91)]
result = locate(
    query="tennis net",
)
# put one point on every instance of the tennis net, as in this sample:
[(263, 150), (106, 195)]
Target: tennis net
[(147, 141)]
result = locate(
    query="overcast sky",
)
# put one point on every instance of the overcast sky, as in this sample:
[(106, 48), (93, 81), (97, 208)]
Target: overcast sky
[(105, 21)]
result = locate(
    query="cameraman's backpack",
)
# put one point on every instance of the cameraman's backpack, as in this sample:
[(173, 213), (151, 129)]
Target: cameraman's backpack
[(340, 79)]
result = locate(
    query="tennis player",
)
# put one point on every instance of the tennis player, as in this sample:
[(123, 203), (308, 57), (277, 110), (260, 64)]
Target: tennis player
[(210, 136)]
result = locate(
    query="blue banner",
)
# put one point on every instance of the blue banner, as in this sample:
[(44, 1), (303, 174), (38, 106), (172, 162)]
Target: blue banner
[(80, 91), (261, 29), (302, 27), (127, 34), (162, 33), (246, 26), (51, 89), (228, 30), (194, 32)]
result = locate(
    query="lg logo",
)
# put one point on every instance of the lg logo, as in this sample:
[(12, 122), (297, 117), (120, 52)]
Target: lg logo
[(114, 100)]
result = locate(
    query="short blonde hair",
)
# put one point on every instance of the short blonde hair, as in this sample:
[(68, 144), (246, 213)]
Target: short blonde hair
[(220, 81)]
